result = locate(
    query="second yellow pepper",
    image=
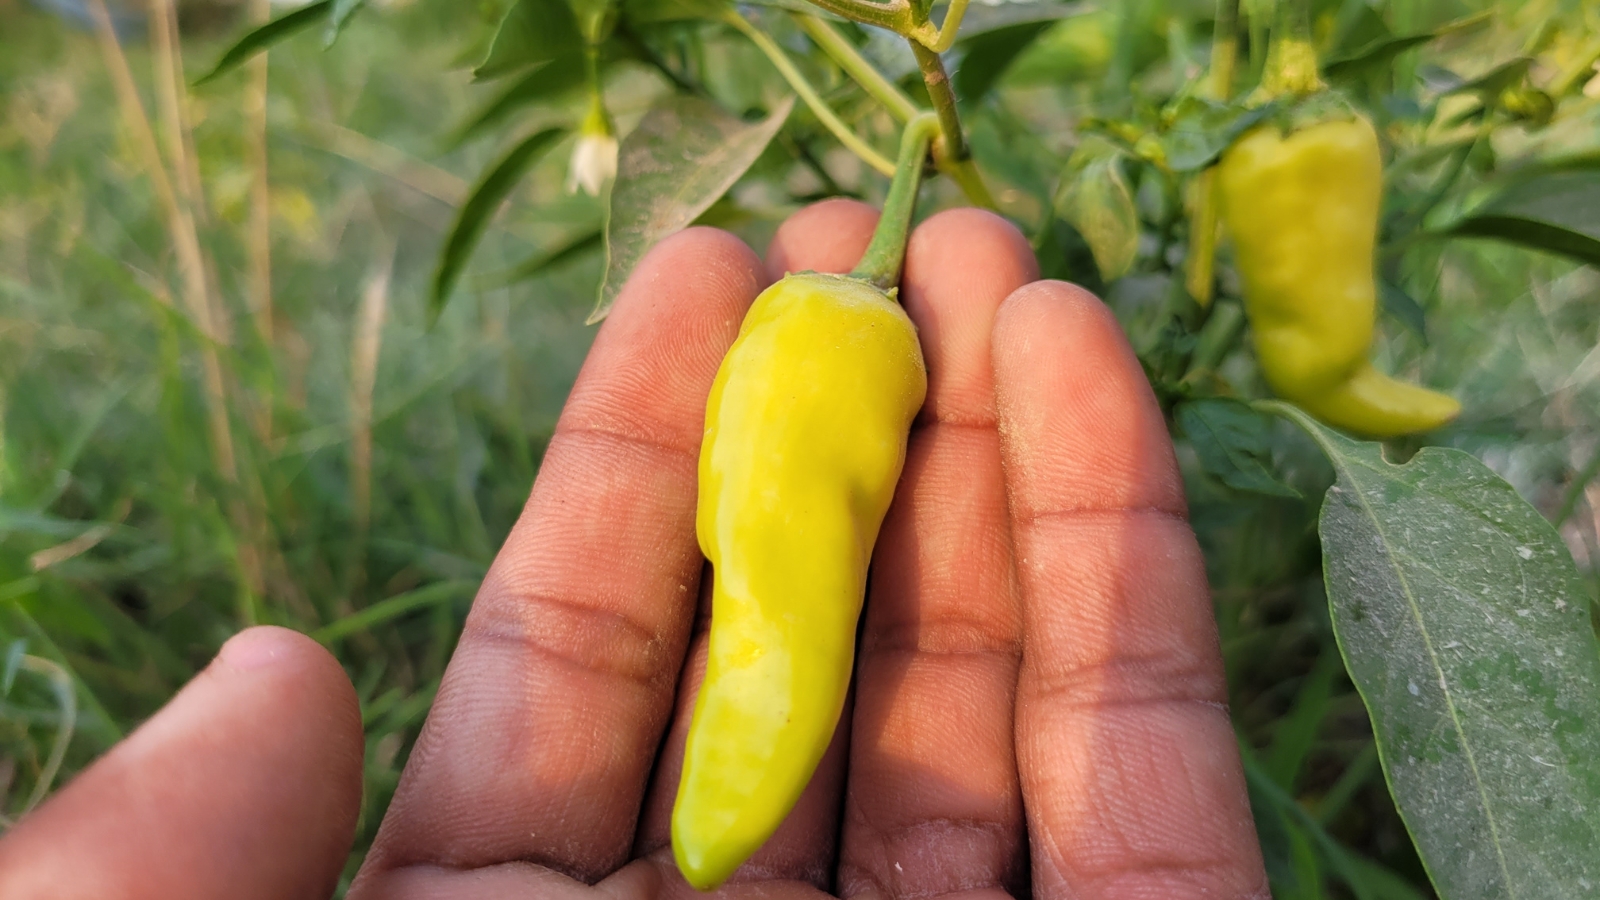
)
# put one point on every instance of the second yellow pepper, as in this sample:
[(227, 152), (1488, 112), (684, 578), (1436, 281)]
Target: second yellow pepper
[(1302, 210)]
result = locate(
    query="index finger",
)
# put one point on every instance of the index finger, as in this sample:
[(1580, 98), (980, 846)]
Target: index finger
[(539, 744), (1130, 774)]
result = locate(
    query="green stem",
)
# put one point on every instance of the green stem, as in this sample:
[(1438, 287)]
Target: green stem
[(881, 264), (1292, 57), (808, 94), (1199, 263), (841, 51), (1217, 337), (950, 152), (895, 16), (1580, 484), (944, 37), (944, 101), (1224, 51)]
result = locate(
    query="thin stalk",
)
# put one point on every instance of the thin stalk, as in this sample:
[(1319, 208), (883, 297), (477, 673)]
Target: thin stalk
[(1580, 486), (260, 229), (895, 16), (196, 292), (808, 94), (167, 72), (1224, 51), (950, 151), (67, 700), (1217, 337), (944, 101), (1199, 264), (180, 225), (882, 261), (845, 54)]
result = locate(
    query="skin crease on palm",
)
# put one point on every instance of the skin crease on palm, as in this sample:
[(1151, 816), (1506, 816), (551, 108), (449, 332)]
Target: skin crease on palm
[(1039, 706)]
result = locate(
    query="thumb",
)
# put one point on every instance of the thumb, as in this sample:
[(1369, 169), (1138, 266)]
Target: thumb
[(246, 785)]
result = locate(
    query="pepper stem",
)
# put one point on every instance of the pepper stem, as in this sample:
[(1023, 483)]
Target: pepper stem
[(1291, 57), (880, 265)]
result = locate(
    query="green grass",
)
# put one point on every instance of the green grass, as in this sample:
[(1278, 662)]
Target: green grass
[(124, 557)]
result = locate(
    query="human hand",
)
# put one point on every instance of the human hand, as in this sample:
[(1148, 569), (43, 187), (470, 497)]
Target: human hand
[(1039, 704)]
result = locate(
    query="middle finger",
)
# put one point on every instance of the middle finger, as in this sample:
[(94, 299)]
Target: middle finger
[(933, 804)]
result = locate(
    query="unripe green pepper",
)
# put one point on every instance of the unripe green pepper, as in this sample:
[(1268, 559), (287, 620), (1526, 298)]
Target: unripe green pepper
[(805, 437)]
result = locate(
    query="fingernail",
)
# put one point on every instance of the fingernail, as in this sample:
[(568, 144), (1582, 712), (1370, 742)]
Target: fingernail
[(256, 648)]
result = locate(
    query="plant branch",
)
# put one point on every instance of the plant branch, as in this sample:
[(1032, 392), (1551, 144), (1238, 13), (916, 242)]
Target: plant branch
[(944, 37), (808, 94), (841, 51), (1199, 264), (895, 16), (950, 151)]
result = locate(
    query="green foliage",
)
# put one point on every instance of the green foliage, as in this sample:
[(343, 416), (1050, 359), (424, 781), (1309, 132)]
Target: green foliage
[(683, 156), (1466, 629), (481, 205), (379, 461)]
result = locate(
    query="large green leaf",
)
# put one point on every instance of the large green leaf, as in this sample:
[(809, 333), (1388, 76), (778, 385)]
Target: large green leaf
[(261, 38), (1465, 627), (533, 33), (480, 207), (1557, 211), (685, 154)]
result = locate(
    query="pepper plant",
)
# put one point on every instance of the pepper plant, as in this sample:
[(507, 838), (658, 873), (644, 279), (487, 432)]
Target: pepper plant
[(1456, 610), (1415, 573)]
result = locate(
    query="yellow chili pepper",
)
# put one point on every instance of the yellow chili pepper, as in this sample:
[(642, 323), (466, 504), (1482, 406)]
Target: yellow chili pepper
[(1302, 209), (1303, 212), (805, 437)]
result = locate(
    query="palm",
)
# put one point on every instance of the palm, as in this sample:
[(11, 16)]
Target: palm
[(1039, 701)]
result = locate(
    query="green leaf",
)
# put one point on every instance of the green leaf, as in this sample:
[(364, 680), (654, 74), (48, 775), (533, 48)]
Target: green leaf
[(1378, 54), (685, 154), (1491, 83), (1095, 198), (480, 207), (14, 654), (1234, 444), (1382, 51), (1465, 626), (1286, 828), (1202, 129), (1558, 212), (339, 17), (1296, 733), (539, 262), (265, 36), (545, 81), (988, 55), (394, 607), (534, 32), (1403, 306)]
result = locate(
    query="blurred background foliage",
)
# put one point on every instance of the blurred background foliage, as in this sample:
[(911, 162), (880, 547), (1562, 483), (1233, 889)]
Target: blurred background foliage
[(184, 453)]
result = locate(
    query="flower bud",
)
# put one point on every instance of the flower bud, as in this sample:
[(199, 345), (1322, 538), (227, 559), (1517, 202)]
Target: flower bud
[(594, 159)]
